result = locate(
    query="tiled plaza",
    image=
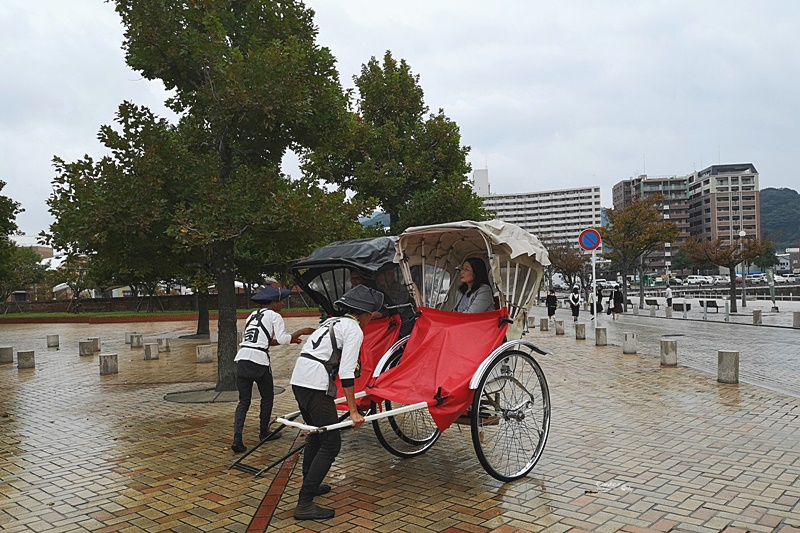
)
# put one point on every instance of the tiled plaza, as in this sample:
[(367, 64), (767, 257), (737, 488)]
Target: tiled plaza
[(633, 447)]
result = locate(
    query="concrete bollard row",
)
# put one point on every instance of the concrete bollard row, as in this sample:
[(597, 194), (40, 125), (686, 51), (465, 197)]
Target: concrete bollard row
[(559, 327), (6, 354), (652, 310), (669, 352), (629, 342), (151, 351), (85, 348), (796, 319), (163, 345), (136, 340), (668, 312), (727, 366), (544, 324), (26, 359), (601, 336), (757, 317), (95, 343), (205, 353), (128, 335), (108, 364), (52, 341), (580, 331)]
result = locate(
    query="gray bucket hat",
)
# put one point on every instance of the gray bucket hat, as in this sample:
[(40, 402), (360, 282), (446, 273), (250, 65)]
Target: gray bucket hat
[(271, 294), (361, 298)]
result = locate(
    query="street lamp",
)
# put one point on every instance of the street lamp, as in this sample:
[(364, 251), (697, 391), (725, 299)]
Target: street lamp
[(742, 235)]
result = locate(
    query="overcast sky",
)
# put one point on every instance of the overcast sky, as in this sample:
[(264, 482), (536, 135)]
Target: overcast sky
[(548, 95)]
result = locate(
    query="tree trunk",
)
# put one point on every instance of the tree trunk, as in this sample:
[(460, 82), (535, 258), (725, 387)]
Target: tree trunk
[(222, 263), (732, 271), (203, 327), (640, 271)]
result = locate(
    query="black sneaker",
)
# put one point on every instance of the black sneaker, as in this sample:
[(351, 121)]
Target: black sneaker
[(324, 488), (238, 446), (313, 511)]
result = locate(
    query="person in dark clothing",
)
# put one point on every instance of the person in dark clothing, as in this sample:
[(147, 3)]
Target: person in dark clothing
[(552, 303), (575, 303), (615, 302)]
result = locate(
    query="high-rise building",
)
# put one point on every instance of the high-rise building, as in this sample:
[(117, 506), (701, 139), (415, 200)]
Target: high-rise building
[(674, 207), (556, 215), (723, 201), (718, 201)]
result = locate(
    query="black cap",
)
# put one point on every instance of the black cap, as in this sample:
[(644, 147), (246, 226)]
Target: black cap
[(361, 298)]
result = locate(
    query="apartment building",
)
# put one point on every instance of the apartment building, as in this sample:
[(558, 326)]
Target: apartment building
[(675, 207), (723, 201), (556, 215)]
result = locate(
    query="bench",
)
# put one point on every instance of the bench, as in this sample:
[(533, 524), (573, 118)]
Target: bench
[(651, 302), (679, 307), (710, 304)]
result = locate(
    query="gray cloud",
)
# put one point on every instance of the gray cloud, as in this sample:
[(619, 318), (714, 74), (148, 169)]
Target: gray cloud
[(549, 95)]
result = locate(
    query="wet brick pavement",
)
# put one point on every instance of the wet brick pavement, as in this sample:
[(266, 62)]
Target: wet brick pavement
[(633, 447)]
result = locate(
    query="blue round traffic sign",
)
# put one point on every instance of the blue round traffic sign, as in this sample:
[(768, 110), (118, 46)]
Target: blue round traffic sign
[(589, 239)]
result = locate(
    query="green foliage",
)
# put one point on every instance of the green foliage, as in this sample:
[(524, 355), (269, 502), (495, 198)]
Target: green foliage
[(9, 209), (780, 217), (25, 271), (680, 261), (768, 258), (394, 157)]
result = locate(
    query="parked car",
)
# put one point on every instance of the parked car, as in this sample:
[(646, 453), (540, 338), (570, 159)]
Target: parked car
[(721, 280), (676, 281), (697, 280), (755, 279), (791, 278), (780, 279)]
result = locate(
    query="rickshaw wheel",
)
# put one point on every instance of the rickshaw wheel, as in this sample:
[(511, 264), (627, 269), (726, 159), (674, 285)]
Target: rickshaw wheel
[(406, 434), (510, 415)]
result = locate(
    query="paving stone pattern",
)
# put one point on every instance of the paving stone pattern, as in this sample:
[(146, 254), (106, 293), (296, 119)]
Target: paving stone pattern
[(633, 447)]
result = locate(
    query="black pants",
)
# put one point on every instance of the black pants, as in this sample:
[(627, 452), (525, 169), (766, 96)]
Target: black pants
[(247, 373), (321, 449)]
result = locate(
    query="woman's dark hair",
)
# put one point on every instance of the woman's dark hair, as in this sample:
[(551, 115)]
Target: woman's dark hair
[(480, 273)]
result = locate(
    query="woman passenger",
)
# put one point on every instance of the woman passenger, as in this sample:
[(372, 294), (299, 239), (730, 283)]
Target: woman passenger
[(475, 293)]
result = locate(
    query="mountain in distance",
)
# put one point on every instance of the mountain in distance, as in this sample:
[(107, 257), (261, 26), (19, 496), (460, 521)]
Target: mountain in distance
[(377, 218), (780, 217)]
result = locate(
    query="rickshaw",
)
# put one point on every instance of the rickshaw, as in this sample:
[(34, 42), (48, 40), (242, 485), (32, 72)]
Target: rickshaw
[(458, 368)]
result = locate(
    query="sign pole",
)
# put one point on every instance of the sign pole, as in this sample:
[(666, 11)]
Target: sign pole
[(594, 289)]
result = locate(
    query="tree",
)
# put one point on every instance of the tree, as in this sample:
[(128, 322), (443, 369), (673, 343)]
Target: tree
[(729, 254), (568, 260), (633, 232), (9, 209), (23, 272), (389, 153), (680, 261)]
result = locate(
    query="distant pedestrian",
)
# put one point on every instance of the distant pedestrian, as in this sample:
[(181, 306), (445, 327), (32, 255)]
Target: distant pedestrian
[(552, 303), (668, 294), (615, 302), (575, 303)]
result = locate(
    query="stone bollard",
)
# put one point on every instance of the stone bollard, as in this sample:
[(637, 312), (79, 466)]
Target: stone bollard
[(136, 340), (85, 348), (669, 353), (128, 335), (531, 325), (163, 345), (652, 310), (205, 353), (559, 327), (796, 319), (600, 336), (240, 335), (26, 359), (757, 317), (150, 351), (95, 343), (52, 341), (580, 331), (108, 364), (727, 311), (727, 366), (635, 309), (544, 324), (6, 354), (669, 312), (213, 336), (629, 342)]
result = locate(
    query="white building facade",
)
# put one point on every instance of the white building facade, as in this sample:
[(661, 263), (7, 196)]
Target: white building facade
[(555, 216)]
